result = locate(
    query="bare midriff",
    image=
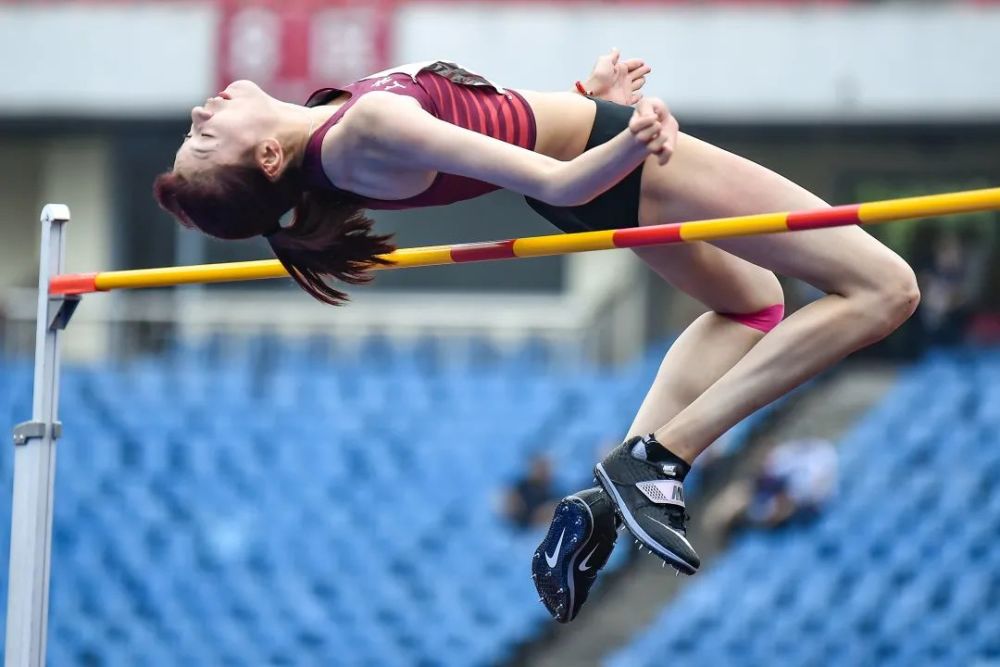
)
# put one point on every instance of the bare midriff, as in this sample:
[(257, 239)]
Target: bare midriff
[(563, 122)]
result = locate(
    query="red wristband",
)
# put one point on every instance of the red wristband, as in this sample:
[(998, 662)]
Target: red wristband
[(583, 91)]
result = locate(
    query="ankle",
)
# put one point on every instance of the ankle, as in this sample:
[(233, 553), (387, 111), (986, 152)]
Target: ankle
[(658, 452), (675, 450)]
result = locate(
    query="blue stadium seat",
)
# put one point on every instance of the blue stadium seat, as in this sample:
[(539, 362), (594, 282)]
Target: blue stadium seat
[(259, 501), (917, 584)]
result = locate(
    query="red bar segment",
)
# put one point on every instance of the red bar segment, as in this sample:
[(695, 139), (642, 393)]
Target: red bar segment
[(479, 252), (634, 237), (826, 217), (73, 283)]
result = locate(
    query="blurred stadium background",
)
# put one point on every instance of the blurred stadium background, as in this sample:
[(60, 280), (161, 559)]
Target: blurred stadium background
[(251, 478)]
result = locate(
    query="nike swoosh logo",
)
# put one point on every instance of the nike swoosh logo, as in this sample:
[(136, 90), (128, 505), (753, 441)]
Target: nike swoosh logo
[(551, 560), (672, 530), (583, 566)]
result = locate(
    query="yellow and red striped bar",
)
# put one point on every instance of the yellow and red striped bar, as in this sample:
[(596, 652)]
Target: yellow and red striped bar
[(968, 201)]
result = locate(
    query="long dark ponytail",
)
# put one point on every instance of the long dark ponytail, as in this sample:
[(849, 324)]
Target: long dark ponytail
[(329, 236)]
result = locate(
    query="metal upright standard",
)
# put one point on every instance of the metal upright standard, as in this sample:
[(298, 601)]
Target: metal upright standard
[(35, 463)]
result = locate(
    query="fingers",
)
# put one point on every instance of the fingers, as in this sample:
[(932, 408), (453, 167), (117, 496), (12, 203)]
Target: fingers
[(654, 126), (662, 146), (640, 71), (656, 144), (641, 121), (645, 107), (657, 106), (648, 135), (634, 63), (643, 126), (638, 77), (653, 106), (615, 54)]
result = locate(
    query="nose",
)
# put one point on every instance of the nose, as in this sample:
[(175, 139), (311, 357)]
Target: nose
[(200, 115)]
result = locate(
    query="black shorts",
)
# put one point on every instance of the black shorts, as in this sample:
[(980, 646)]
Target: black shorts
[(616, 208)]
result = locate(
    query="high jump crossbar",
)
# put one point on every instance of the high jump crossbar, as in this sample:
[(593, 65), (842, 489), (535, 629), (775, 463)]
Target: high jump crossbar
[(59, 294), (560, 244)]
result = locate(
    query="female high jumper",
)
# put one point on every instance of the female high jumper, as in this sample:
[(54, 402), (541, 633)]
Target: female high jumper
[(434, 133)]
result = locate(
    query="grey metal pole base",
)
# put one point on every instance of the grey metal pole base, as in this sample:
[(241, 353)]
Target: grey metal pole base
[(35, 465)]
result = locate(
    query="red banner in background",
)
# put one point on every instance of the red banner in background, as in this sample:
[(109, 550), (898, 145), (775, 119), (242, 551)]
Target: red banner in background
[(293, 47)]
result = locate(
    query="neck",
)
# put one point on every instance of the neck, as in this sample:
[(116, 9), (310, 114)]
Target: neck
[(297, 124)]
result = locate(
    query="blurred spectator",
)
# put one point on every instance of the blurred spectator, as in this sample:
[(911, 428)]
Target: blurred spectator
[(950, 268), (531, 500), (793, 483), (945, 285)]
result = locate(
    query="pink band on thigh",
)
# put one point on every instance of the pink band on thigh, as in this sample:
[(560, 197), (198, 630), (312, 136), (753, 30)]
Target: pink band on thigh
[(763, 320)]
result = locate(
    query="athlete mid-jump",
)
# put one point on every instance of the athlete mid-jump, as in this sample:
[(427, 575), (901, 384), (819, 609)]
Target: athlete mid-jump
[(434, 133)]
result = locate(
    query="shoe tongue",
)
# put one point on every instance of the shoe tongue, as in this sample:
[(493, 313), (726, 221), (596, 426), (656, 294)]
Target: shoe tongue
[(639, 450)]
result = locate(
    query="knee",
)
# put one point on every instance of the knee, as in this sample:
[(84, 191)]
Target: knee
[(770, 292), (893, 299), (765, 306)]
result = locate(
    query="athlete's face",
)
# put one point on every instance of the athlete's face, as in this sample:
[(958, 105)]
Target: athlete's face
[(226, 129)]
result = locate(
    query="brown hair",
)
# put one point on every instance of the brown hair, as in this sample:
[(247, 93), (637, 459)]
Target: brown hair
[(329, 236)]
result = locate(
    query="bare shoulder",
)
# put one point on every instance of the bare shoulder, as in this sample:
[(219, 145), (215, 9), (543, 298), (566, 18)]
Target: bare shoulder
[(371, 145), (378, 109)]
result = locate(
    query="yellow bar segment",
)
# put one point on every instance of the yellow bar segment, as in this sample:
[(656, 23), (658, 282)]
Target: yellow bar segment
[(183, 275), (930, 205), (542, 246), (704, 230), (427, 256)]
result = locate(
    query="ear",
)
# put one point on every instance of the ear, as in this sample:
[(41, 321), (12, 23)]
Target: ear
[(270, 157)]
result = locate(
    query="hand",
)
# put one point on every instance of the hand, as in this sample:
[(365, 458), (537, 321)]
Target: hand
[(617, 80), (653, 126)]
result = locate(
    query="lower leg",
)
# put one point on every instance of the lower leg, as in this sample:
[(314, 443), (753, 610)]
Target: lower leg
[(702, 354), (713, 343)]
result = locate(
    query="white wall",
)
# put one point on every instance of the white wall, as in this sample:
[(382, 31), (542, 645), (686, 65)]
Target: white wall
[(74, 171), (891, 61), (20, 177), (105, 60), (880, 62)]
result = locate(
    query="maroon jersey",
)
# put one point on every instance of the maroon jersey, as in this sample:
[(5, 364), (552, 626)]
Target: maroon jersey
[(445, 91)]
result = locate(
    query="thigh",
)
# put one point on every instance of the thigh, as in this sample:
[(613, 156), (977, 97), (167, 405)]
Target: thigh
[(721, 281), (843, 260), (704, 181)]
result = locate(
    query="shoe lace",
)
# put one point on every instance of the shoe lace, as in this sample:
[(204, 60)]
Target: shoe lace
[(677, 518)]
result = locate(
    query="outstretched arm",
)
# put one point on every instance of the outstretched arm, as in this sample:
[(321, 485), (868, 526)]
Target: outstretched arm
[(617, 80), (397, 131)]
